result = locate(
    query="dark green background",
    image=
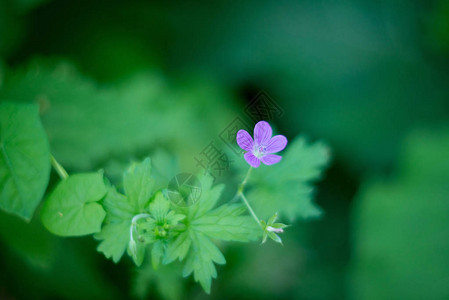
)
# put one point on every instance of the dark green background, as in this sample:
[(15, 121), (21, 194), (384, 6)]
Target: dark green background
[(370, 78)]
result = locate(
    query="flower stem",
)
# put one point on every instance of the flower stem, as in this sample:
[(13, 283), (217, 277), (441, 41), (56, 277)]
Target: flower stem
[(253, 214), (241, 195), (243, 184), (58, 168)]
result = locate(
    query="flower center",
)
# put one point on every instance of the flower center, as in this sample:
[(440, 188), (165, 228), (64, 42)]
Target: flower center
[(259, 150)]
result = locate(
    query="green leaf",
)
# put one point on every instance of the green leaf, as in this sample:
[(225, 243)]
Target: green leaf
[(72, 209), (201, 260), (227, 223), (286, 187), (114, 234), (177, 248), (24, 159), (159, 208), (209, 196), (120, 210), (138, 183), (401, 226), (203, 223), (155, 228), (90, 125)]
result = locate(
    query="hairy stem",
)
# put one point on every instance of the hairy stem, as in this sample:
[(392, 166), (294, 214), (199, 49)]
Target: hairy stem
[(58, 168)]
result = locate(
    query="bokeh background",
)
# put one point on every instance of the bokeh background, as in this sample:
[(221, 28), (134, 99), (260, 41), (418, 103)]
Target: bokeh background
[(120, 80)]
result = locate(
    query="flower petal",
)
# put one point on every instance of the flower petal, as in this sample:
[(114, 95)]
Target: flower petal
[(244, 140), (252, 160), (262, 133), (271, 159), (277, 143)]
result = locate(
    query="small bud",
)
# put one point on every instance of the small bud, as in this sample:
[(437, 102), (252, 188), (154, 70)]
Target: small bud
[(133, 247), (272, 229)]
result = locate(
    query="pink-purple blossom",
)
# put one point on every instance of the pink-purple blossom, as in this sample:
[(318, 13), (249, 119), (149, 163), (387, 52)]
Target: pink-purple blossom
[(263, 146)]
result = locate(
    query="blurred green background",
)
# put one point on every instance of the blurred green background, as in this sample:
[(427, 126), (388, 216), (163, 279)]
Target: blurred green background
[(120, 80)]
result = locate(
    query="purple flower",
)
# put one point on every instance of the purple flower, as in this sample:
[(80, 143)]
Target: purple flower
[(263, 146)]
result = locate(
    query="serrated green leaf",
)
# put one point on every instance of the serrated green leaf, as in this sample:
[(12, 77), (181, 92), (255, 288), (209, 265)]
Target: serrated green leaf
[(159, 208), (226, 223), (152, 222), (201, 260), (202, 223), (138, 183), (209, 196), (286, 187), (24, 159), (72, 209), (121, 209), (177, 248), (114, 234)]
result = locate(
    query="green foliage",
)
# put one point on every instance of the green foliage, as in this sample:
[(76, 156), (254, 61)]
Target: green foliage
[(121, 122), (142, 220), (200, 261), (401, 224), (114, 234), (358, 74), (121, 209), (203, 222), (159, 226), (286, 187), (72, 209), (138, 184), (24, 159), (96, 121)]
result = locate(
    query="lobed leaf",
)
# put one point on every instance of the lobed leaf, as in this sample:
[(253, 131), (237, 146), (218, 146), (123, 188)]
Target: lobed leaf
[(120, 210), (201, 260), (226, 223), (138, 183), (203, 222), (114, 234), (286, 187)]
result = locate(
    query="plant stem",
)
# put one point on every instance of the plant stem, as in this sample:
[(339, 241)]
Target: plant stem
[(139, 216), (59, 169), (241, 195), (242, 185), (134, 223), (253, 214)]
